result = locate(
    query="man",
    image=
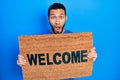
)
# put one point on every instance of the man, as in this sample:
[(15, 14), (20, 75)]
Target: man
[(57, 18)]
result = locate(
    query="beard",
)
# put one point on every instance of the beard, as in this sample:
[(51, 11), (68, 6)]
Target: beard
[(53, 30)]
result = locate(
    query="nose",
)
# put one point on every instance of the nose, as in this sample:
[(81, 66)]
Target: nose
[(57, 21)]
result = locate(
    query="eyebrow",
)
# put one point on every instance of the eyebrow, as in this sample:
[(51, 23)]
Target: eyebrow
[(52, 14), (60, 14)]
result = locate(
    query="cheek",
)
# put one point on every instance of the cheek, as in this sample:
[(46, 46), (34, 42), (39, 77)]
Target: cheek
[(52, 22), (62, 22)]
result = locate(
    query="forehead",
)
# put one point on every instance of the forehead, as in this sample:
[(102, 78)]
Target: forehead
[(57, 12)]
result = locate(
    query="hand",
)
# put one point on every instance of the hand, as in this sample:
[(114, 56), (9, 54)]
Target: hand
[(92, 54), (21, 60)]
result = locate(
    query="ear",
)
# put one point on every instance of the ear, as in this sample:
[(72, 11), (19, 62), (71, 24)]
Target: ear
[(48, 19), (66, 17)]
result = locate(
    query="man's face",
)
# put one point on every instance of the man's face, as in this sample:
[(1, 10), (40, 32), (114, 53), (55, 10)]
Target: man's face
[(57, 20)]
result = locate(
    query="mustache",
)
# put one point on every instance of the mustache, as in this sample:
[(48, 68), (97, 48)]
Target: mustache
[(54, 30)]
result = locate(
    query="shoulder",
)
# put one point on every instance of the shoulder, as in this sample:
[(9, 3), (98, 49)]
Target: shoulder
[(67, 31), (46, 32)]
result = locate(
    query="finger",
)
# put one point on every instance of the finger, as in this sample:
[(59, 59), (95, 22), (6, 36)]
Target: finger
[(94, 58), (21, 63), (92, 53), (90, 57), (18, 63), (21, 60), (20, 56), (93, 48)]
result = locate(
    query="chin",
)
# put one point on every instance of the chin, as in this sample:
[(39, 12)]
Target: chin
[(58, 32)]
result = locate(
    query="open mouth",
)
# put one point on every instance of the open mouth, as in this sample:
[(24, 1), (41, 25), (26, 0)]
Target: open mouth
[(57, 28)]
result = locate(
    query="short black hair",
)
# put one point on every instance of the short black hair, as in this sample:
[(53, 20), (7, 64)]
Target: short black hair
[(56, 6)]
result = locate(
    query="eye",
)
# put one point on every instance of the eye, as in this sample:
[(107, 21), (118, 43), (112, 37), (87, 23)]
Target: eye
[(52, 17), (61, 17)]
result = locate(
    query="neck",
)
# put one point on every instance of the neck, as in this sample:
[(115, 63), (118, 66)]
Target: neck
[(55, 33)]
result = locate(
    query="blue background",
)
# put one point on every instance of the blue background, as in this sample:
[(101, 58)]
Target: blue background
[(29, 17)]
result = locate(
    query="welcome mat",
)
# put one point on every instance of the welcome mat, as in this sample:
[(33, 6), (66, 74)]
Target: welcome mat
[(56, 56)]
